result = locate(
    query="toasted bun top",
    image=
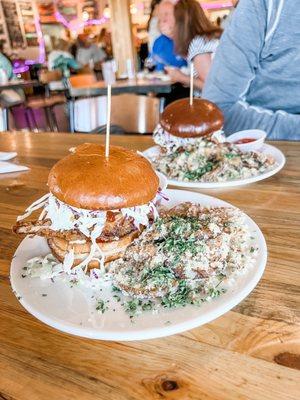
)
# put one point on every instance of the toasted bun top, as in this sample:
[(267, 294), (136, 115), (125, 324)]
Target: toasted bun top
[(182, 120), (87, 179)]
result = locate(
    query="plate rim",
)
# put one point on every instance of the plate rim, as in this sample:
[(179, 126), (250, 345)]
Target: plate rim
[(226, 184), (157, 332)]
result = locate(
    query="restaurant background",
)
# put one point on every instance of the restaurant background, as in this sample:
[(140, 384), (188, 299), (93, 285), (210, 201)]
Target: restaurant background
[(149, 199), (27, 27)]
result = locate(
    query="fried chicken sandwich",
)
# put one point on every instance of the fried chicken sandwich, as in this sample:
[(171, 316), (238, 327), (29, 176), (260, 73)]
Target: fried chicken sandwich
[(96, 206)]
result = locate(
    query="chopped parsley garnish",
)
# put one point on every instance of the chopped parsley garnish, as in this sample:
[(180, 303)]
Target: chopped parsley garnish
[(175, 240), (198, 173), (182, 260), (101, 306), (214, 292), (158, 276), (231, 155), (134, 307), (117, 298), (180, 298)]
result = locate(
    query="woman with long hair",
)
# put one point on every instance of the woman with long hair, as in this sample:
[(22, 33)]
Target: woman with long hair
[(196, 39), (152, 27)]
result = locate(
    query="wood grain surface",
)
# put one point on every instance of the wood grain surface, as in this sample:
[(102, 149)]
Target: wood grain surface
[(252, 352), (138, 86)]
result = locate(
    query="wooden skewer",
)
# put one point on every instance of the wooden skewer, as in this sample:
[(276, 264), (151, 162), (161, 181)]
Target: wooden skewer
[(191, 83), (107, 138)]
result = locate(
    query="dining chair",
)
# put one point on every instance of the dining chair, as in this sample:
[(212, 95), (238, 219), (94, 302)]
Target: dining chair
[(130, 113), (135, 113), (82, 79), (46, 102), (9, 100)]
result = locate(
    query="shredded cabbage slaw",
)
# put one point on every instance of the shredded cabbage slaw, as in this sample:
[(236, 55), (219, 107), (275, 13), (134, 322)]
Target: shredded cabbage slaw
[(88, 222), (171, 143)]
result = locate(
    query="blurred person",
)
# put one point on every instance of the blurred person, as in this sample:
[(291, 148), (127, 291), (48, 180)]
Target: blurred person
[(166, 21), (88, 53), (61, 58), (9, 97), (2, 50), (5, 63), (255, 75), (60, 49), (105, 42), (152, 27), (163, 53), (195, 38)]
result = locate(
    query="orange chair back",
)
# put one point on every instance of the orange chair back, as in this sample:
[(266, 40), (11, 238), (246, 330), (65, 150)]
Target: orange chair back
[(84, 80)]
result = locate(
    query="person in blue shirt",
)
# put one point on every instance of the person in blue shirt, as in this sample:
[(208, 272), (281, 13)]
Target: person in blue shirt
[(163, 53)]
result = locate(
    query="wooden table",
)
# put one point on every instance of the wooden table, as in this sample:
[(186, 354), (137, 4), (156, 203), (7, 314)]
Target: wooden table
[(19, 84), (138, 86), (252, 352)]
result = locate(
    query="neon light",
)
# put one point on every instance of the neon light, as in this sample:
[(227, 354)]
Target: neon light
[(18, 68), (61, 19), (72, 25), (42, 50)]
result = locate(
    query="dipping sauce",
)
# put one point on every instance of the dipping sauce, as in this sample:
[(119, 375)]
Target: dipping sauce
[(245, 140)]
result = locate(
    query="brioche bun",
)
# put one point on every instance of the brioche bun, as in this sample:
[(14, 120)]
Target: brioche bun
[(182, 120), (87, 179), (111, 250)]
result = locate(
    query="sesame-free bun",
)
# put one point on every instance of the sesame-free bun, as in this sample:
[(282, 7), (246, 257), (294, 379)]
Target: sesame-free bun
[(87, 179), (183, 120)]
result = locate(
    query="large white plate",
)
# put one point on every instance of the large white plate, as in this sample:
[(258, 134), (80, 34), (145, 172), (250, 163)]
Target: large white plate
[(266, 149), (72, 310)]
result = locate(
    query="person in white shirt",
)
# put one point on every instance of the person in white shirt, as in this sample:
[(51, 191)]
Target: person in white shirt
[(88, 52)]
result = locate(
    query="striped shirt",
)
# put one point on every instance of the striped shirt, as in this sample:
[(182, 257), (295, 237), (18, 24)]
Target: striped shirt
[(201, 45)]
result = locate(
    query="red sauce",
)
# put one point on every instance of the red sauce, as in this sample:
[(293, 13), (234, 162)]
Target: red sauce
[(245, 140)]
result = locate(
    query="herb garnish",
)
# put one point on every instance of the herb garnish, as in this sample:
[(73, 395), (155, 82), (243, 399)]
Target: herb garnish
[(101, 306), (198, 173), (134, 307)]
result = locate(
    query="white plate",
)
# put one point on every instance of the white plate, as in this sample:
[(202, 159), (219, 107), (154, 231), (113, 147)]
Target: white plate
[(5, 156), (163, 181), (266, 149), (72, 310), (7, 167)]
